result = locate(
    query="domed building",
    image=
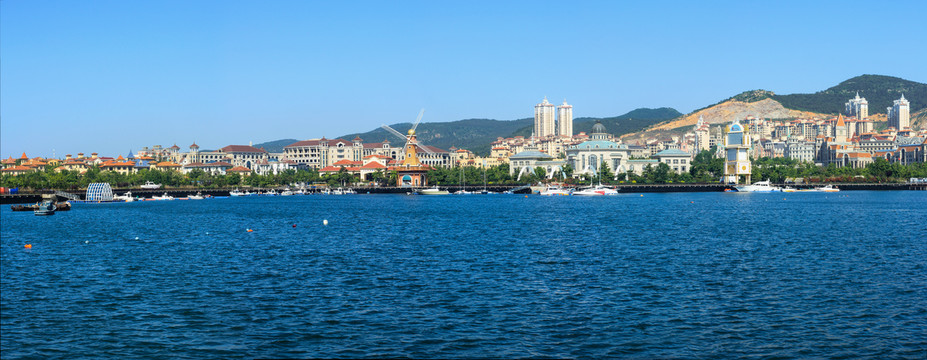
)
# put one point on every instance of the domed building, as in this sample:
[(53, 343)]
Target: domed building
[(587, 157)]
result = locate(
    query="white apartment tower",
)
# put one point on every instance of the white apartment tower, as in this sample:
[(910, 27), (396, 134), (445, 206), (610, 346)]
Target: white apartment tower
[(858, 107), (702, 138), (899, 115), (565, 119), (544, 123)]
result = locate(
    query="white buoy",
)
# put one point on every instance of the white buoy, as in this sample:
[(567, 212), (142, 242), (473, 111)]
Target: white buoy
[(324, 222), (136, 238), (86, 241)]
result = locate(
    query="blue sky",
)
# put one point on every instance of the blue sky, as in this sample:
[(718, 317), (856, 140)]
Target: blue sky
[(113, 76)]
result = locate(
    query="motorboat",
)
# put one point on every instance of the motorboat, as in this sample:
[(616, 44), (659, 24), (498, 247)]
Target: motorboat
[(759, 186), (598, 190), (198, 196), (433, 191), (463, 192), (827, 188), (555, 190), (127, 197), (270, 192), (236, 192), (286, 192), (46, 207), (789, 189), (338, 191), (162, 197), (151, 186), (349, 191)]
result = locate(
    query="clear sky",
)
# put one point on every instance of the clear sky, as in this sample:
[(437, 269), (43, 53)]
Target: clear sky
[(113, 76)]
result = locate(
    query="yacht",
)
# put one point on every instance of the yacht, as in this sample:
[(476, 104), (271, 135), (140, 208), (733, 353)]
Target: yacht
[(198, 196), (759, 186), (127, 197), (555, 190), (236, 192), (433, 191), (827, 188), (151, 186), (286, 192), (598, 190), (162, 197)]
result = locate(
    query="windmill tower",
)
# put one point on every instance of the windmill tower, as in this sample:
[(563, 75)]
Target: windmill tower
[(411, 172)]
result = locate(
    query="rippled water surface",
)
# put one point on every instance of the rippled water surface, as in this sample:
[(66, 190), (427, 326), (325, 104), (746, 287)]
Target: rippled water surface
[(700, 275)]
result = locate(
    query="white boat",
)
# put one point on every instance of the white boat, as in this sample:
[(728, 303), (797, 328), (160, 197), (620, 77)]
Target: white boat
[(162, 197), (236, 192), (433, 191), (789, 189), (270, 192), (827, 188), (555, 190), (338, 191), (598, 190), (286, 192), (759, 186), (198, 196), (151, 186), (127, 197), (349, 191), (462, 192)]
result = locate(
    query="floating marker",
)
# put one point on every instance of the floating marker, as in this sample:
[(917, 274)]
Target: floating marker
[(324, 222), (294, 225), (642, 195), (692, 202), (28, 246), (249, 230), (136, 238), (86, 241)]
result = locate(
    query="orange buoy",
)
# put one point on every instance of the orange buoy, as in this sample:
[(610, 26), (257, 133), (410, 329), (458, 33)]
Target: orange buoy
[(249, 230), (28, 246), (526, 195)]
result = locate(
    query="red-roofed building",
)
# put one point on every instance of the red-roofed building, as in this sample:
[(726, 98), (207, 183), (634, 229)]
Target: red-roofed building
[(244, 155), (18, 170)]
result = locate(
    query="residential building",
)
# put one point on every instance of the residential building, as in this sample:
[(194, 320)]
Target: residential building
[(899, 115), (857, 107), (565, 119)]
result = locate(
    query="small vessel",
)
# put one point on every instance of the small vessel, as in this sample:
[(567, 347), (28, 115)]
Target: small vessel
[(46, 207), (270, 192), (759, 186), (462, 192), (151, 186), (789, 189), (236, 192), (349, 191), (433, 191), (198, 196), (827, 188), (555, 190), (598, 190), (127, 197), (162, 197), (286, 192), (338, 191)]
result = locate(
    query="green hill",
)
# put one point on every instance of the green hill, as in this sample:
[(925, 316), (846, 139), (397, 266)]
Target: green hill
[(476, 134), (879, 90), (276, 145)]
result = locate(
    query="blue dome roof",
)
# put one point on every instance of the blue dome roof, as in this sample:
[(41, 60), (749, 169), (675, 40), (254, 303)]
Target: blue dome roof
[(736, 127)]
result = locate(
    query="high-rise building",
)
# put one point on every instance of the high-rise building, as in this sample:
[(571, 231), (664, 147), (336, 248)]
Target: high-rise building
[(899, 115), (565, 119), (702, 140), (858, 107), (544, 119)]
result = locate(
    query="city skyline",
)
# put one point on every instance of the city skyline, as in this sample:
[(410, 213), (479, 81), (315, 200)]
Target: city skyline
[(110, 77)]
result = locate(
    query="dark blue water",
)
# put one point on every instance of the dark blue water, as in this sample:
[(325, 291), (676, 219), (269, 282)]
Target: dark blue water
[(702, 275)]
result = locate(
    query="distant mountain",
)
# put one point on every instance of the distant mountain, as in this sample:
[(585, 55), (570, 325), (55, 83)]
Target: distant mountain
[(471, 134), (476, 134), (880, 91), (275, 146), (635, 120)]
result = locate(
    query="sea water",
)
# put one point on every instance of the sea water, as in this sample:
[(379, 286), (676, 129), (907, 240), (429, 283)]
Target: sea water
[(686, 275)]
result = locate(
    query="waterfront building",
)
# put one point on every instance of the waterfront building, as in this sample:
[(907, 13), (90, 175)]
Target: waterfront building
[(565, 119), (857, 107), (737, 158), (544, 123), (526, 161), (588, 156), (899, 115), (119, 165), (166, 166), (18, 170), (637, 166), (321, 153), (411, 172), (677, 160), (240, 170), (213, 168), (244, 155)]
